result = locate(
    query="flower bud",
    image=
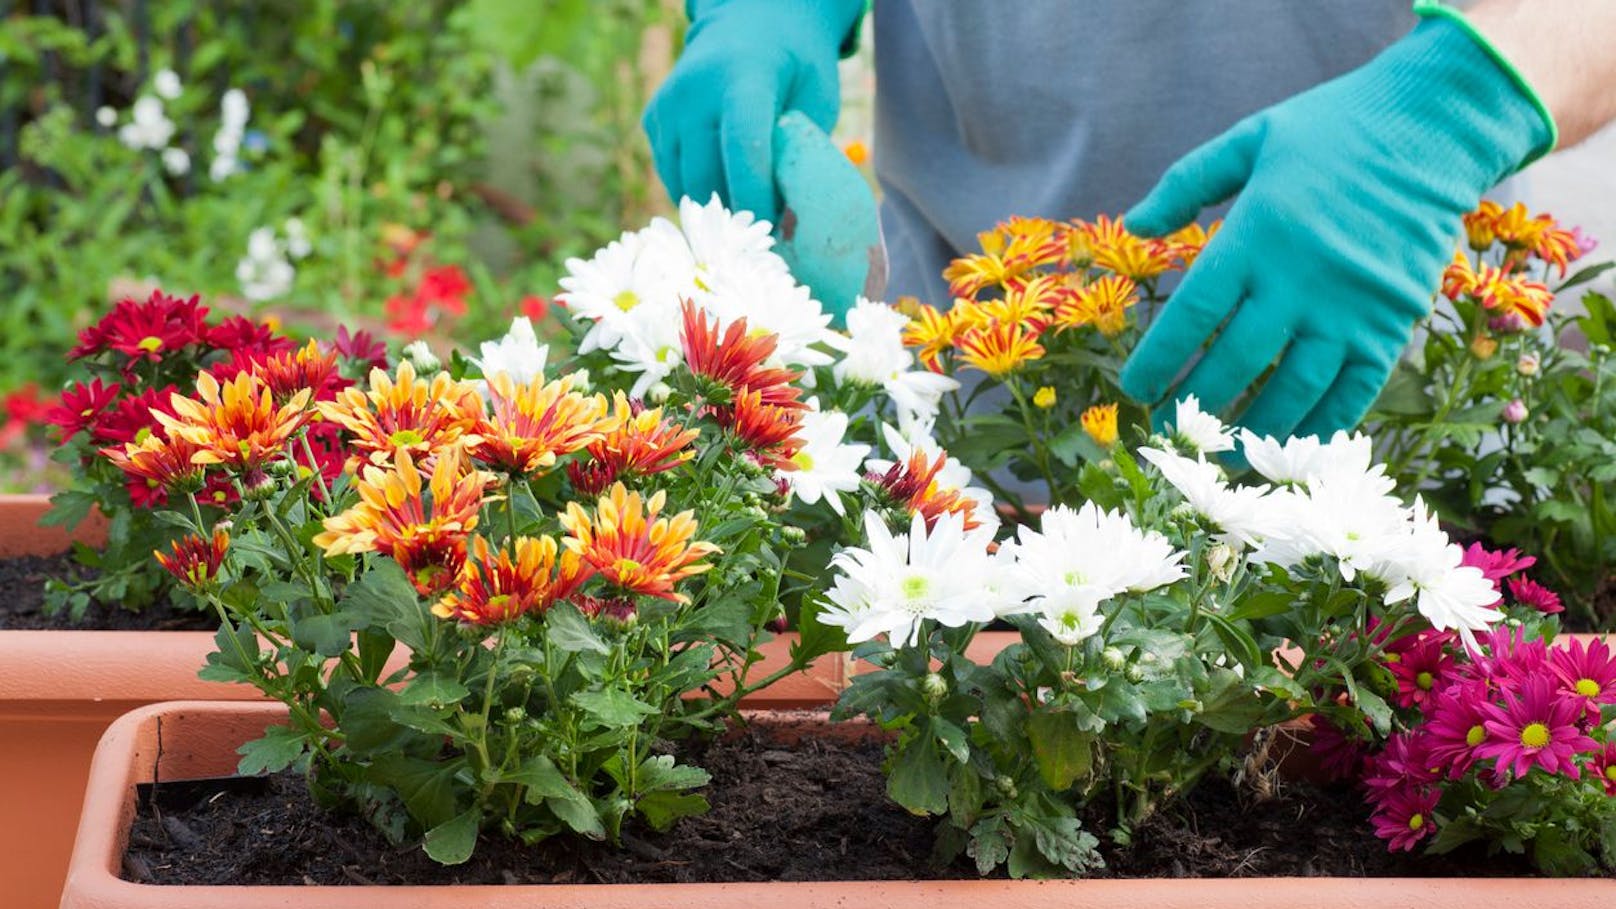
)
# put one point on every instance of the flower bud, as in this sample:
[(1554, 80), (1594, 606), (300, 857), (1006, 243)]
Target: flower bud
[(793, 534), (1528, 364), (934, 687), (1134, 674), (515, 715), (1006, 786), (658, 392), (581, 381), (1113, 659), (1193, 705), (1599, 350), (422, 358), (1483, 347), (1515, 411), (1220, 560)]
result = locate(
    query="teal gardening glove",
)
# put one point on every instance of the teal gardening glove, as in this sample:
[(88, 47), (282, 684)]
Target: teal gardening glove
[(1350, 197), (745, 63)]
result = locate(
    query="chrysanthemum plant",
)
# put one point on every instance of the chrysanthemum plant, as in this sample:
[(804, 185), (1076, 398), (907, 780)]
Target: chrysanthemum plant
[(113, 435), (1501, 416), (521, 587), (1509, 743)]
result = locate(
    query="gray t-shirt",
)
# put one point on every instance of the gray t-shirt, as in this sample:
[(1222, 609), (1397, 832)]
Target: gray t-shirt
[(1071, 108)]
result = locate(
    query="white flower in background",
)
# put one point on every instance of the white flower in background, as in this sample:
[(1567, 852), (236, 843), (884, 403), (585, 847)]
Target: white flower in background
[(518, 354), (1301, 458), (901, 581), (148, 126), (826, 466), (1246, 515), (264, 273), (176, 161), (106, 116), (903, 443), (297, 238), (166, 83), (650, 345), (234, 109), (1078, 559), (1450, 595), (422, 358), (873, 353), (1205, 432), (233, 113)]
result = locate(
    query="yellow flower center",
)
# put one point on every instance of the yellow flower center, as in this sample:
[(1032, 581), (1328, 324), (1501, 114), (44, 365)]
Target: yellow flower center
[(803, 460), (1587, 687), (626, 566), (405, 437), (143, 434), (1416, 821), (1425, 680), (626, 300), (497, 603), (1474, 736), (916, 592), (150, 343), (1610, 772), (1073, 578), (1535, 735)]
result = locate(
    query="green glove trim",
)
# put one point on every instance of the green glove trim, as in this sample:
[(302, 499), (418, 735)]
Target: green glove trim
[(1439, 9)]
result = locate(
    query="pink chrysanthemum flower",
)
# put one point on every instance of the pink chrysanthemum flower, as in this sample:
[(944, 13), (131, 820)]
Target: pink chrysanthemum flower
[(1405, 761), (1586, 673), (1497, 564), (1340, 756), (1455, 726), (1404, 816), (1421, 668), (1604, 765), (1536, 727), (1528, 592), (1515, 657)]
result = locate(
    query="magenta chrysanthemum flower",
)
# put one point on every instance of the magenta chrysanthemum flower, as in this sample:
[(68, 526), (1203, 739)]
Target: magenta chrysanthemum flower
[(1403, 816), (1497, 565), (1536, 726), (1528, 592), (1339, 756), (1455, 726), (1515, 657), (1586, 673), (1403, 762), (1420, 668), (1604, 766)]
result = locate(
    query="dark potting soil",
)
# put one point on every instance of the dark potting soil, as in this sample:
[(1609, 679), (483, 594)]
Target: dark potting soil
[(816, 810), (22, 603)]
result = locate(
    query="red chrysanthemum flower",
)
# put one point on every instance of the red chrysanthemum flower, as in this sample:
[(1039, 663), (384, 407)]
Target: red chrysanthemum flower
[(631, 546), (526, 579), (151, 330), (160, 463), (1586, 673), (81, 406), (735, 359), (1536, 726), (535, 423), (239, 334), (769, 432), (134, 417), (309, 367), (360, 349), (1404, 816), (1514, 657), (1528, 592), (193, 561), (912, 485), (1340, 756), (1404, 761), (1604, 766)]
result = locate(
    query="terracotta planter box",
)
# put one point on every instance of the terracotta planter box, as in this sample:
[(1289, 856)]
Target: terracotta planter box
[(198, 740), (59, 690)]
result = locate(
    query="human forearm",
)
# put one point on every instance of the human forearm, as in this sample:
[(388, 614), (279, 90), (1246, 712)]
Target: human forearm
[(1565, 50)]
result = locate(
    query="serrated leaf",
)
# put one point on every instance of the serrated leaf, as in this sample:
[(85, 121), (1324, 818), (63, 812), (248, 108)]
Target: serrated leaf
[(568, 629), (988, 846), (384, 598), (453, 841), (612, 707), (660, 772), (1063, 752), (662, 809), (426, 787), (279, 748)]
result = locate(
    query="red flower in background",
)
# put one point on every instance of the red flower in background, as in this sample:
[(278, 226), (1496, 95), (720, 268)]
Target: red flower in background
[(534, 307), (24, 407), (145, 331), (1528, 592), (440, 293), (81, 406)]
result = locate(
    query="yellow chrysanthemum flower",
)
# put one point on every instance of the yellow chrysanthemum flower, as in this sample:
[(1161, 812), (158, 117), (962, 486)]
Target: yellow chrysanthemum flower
[(1123, 253), (1100, 422), (999, 348), (628, 544), (1103, 303), (407, 414), (536, 423), (236, 424), (1044, 397)]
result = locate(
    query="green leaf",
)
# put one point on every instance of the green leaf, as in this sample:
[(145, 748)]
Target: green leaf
[(659, 772), (542, 779), (612, 707), (225, 664), (384, 598), (1064, 842), (280, 748), (989, 846), (919, 779), (433, 689), (326, 635), (1230, 706), (1063, 751), (815, 638), (661, 809), (568, 629), (1375, 708), (1236, 640), (578, 812), (426, 787), (952, 738), (375, 648), (452, 842), (1261, 605)]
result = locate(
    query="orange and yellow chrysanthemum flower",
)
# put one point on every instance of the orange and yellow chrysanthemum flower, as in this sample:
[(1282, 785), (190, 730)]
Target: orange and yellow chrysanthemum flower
[(393, 517), (999, 348), (1028, 302), (932, 332), (768, 431), (193, 561), (627, 543), (534, 424), (1479, 227), (1103, 303), (912, 485), (521, 580), (408, 414), (1100, 422), (1123, 253), (161, 462), (638, 442), (308, 367), (236, 424), (1187, 242), (736, 358), (1514, 296), (1010, 251)]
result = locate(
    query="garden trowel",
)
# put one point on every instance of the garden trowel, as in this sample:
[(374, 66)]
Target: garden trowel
[(828, 232)]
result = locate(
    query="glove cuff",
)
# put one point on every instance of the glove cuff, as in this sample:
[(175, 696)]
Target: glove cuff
[(1439, 10), (837, 20)]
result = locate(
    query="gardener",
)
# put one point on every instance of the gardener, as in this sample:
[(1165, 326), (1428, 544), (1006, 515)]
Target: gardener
[(1349, 194)]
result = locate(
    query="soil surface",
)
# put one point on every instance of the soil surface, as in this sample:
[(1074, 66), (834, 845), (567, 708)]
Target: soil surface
[(816, 810), (22, 603)]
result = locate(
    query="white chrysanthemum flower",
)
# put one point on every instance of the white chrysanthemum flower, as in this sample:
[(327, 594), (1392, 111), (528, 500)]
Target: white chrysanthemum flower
[(758, 290), (1245, 514), (1452, 596), (826, 466), (903, 443), (717, 236), (176, 161), (1077, 560), (649, 343), (166, 83), (873, 353), (900, 582), (1298, 459), (420, 355), (518, 354), (1351, 516), (1200, 429), (297, 238), (611, 287)]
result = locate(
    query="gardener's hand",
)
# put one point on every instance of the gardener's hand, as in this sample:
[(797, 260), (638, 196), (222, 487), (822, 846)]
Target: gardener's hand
[(1350, 197), (745, 62)]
